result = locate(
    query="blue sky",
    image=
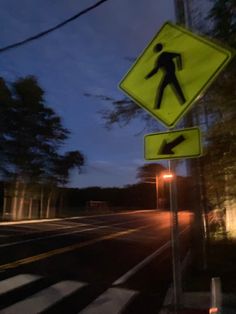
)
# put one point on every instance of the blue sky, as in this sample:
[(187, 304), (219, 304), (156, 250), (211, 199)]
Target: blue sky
[(88, 55)]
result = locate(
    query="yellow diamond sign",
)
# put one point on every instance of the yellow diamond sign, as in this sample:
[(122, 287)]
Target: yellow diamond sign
[(184, 143), (174, 69)]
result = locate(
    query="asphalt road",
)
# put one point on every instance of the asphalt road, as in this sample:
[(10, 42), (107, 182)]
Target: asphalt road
[(103, 264)]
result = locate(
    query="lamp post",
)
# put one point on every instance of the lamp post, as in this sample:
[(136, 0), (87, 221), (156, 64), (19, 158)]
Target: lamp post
[(163, 176), (157, 191)]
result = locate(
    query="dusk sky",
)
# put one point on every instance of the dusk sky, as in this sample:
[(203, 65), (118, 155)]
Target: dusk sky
[(89, 55)]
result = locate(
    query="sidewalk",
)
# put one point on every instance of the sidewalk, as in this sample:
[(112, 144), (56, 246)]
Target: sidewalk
[(221, 262)]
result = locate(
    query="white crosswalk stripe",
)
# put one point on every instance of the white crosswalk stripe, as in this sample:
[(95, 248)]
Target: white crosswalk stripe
[(45, 298), (111, 301), (17, 281)]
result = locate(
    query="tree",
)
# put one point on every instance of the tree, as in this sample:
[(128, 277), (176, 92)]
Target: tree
[(31, 136), (151, 174), (123, 111), (220, 101), (148, 172), (64, 163), (222, 16)]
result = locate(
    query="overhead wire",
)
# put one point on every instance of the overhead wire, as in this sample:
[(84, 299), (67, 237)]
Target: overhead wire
[(52, 29)]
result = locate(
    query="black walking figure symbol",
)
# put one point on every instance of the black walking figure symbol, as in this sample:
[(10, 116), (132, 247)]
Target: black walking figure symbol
[(165, 62)]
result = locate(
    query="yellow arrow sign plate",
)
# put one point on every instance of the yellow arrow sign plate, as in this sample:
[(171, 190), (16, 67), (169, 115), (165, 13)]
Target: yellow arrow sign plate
[(184, 143), (174, 69)]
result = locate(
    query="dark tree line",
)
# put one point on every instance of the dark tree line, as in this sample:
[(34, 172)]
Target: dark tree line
[(137, 196), (31, 139), (220, 101)]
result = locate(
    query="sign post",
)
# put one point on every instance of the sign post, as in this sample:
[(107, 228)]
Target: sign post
[(168, 77), (177, 280)]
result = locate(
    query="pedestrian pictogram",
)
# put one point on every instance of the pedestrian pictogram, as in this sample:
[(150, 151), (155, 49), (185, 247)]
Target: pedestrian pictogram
[(184, 143), (165, 61), (173, 71)]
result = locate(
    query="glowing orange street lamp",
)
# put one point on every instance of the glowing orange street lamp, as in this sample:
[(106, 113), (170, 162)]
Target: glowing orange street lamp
[(167, 176)]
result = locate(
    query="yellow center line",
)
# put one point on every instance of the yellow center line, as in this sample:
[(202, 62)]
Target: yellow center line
[(38, 257)]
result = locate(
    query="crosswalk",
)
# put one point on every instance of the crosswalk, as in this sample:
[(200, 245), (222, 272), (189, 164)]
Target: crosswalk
[(113, 300), (17, 281)]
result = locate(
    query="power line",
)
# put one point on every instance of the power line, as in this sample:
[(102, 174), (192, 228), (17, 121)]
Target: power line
[(44, 33)]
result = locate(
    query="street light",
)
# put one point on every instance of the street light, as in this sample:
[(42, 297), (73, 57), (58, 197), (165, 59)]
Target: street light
[(166, 176)]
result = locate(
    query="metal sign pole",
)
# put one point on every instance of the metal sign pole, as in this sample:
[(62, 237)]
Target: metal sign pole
[(177, 286)]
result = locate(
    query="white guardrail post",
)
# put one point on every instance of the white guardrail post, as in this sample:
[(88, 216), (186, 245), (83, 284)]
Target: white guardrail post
[(216, 296)]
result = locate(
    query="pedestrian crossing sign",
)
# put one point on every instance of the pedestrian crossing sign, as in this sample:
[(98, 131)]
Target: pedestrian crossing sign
[(173, 71)]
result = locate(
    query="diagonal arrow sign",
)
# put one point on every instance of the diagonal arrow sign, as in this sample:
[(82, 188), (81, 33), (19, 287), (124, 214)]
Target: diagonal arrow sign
[(166, 148), (185, 143)]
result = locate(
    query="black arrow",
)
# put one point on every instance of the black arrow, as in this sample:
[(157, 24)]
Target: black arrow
[(166, 148)]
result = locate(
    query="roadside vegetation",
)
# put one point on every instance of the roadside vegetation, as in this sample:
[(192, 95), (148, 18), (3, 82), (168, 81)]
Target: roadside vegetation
[(31, 141)]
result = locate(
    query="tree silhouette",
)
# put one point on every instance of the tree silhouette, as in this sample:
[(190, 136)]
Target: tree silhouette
[(148, 172), (220, 161), (222, 16), (64, 163), (31, 135)]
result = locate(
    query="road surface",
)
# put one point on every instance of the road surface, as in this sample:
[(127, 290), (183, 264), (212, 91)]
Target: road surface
[(101, 264)]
